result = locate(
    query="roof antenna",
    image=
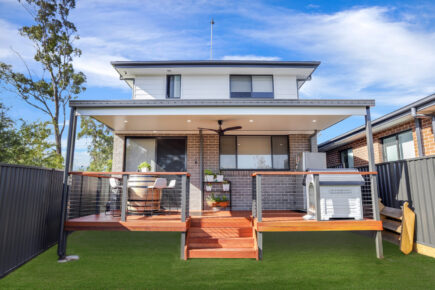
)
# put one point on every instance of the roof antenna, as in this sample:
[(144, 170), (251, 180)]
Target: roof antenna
[(211, 38)]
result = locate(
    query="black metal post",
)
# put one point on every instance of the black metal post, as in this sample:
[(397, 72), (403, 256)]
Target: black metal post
[(373, 182), (259, 201), (98, 197), (183, 197), (317, 196), (61, 247), (254, 197), (124, 198), (201, 168)]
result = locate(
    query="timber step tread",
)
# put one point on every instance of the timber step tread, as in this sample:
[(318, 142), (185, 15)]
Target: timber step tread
[(220, 222), (222, 253), (196, 243), (221, 232), (392, 213)]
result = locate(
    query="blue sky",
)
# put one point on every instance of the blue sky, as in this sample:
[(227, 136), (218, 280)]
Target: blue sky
[(382, 50)]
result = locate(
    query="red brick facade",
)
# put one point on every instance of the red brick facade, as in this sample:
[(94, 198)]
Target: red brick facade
[(359, 147)]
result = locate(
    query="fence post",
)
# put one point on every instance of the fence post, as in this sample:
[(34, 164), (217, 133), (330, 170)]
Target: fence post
[(124, 197), (69, 158), (373, 182), (317, 196)]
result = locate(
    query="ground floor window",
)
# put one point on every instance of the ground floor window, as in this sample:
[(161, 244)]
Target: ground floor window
[(346, 157), (398, 146), (254, 152), (163, 153)]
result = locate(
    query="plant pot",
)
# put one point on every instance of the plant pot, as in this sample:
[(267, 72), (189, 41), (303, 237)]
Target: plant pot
[(226, 187), (211, 203), (209, 178), (144, 169), (208, 188), (219, 178), (223, 203)]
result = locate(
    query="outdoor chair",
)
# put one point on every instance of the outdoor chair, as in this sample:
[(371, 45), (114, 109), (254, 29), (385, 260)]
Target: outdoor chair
[(147, 200), (113, 204)]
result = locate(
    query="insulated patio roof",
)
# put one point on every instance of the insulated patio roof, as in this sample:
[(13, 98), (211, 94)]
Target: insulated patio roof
[(255, 116)]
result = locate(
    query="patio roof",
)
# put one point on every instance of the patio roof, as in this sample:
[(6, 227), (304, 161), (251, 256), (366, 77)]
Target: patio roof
[(259, 116)]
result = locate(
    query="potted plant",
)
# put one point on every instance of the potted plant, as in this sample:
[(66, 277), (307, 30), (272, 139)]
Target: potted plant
[(144, 167), (208, 187), (219, 177), (209, 175), (211, 202), (223, 201), (226, 185)]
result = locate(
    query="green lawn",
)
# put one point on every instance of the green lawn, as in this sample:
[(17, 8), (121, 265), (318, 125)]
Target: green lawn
[(297, 260)]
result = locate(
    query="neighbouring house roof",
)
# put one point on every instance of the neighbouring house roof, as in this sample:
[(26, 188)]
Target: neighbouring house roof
[(257, 116), (128, 70), (423, 106)]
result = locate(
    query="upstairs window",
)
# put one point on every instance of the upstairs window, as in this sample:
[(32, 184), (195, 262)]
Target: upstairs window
[(173, 86), (398, 146), (251, 86), (346, 157)]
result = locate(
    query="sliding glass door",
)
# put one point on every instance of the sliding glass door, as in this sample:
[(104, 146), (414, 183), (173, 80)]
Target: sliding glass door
[(163, 153)]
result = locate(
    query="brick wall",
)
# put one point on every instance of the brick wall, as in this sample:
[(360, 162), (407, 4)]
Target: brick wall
[(279, 192), (359, 147)]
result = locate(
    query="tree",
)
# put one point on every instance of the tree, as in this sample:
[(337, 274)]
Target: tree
[(27, 144), (101, 146), (52, 35), (36, 149), (9, 138)]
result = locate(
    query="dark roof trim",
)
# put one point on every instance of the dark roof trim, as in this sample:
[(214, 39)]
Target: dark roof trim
[(220, 103), (406, 110), (215, 63)]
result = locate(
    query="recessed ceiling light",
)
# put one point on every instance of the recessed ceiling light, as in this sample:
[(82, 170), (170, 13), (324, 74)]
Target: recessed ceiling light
[(154, 131), (314, 121), (188, 121), (125, 121), (251, 121)]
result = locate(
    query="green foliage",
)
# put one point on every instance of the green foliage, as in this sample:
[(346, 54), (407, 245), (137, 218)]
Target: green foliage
[(9, 138), (217, 198), (144, 165), (27, 144), (208, 172), (52, 36), (101, 144)]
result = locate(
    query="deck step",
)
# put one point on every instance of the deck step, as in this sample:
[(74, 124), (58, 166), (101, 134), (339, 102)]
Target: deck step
[(222, 253), (220, 222), (196, 232), (198, 243)]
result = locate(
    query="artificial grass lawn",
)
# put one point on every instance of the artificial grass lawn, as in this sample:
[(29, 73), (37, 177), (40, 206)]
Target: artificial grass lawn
[(151, 260)]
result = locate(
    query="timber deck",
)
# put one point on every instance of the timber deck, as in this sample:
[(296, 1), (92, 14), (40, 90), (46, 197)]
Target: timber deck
[(103, 222), (272, 221)]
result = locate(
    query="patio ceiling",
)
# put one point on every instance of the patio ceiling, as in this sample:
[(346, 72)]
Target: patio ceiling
[(259, 117)]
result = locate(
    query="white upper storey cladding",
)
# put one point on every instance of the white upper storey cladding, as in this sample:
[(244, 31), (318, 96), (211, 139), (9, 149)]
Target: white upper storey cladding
[(211, 79)]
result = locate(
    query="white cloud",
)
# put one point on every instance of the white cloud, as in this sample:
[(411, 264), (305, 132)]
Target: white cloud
[(364, 52), (250, 57)]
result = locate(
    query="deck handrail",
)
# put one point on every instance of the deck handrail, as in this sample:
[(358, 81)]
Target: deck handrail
[(185, 185), (313, 172), (104, 174)]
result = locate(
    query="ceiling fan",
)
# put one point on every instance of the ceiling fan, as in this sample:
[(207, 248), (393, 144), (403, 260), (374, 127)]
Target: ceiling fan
[(221, 131)]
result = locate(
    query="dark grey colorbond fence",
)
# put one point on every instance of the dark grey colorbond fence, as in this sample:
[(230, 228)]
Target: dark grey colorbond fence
[(30, 200), (411, 180)]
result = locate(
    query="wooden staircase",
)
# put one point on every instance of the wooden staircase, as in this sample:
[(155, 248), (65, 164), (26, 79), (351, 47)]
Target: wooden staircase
[(221, 237)]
